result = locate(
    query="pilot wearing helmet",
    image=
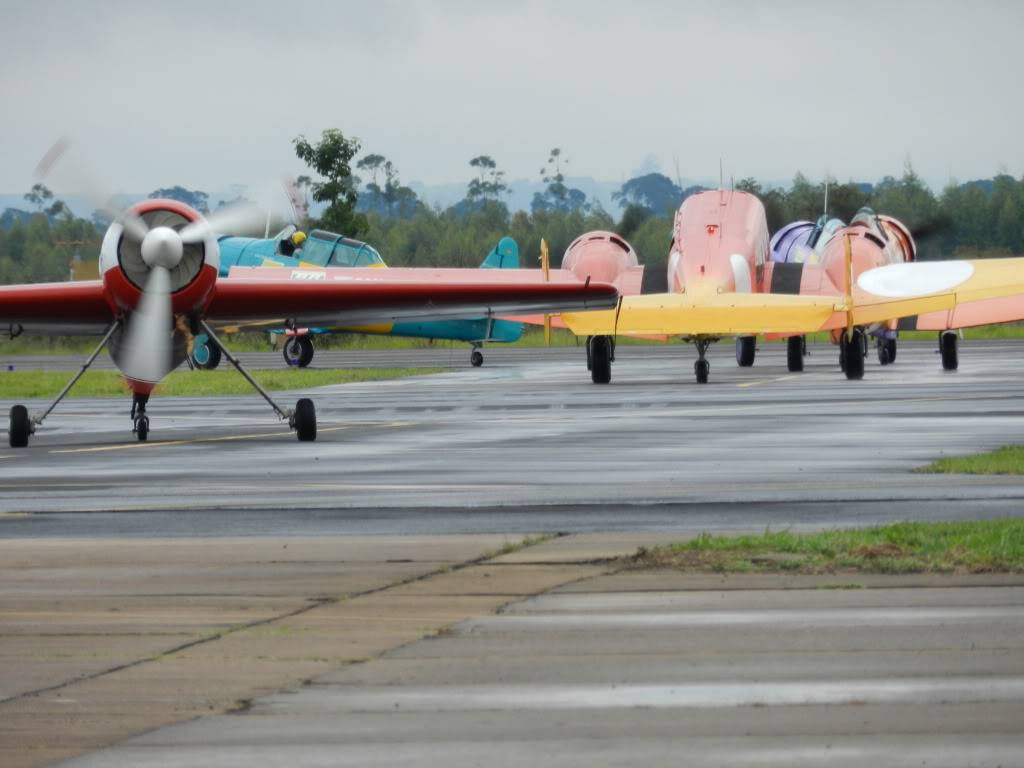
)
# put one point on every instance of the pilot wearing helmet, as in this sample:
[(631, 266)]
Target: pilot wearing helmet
[(290, 246)]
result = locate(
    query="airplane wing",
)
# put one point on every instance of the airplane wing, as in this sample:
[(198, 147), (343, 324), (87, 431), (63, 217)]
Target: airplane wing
[(725, 314), (83, 308), (344, 299), (885, 293), (54, 308)]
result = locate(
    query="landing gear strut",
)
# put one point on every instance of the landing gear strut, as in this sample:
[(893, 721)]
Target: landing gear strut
[(476, 357), (302, 419), (22, 425), (702, 368)]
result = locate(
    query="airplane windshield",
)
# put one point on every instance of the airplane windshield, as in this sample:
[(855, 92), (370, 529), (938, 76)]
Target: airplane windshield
[(328, 249)]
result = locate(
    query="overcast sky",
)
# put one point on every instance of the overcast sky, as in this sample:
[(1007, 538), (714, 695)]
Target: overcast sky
[(209, 94)]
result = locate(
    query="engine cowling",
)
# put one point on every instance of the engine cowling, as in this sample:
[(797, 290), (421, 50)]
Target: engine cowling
[(601, 256), (125, 272)]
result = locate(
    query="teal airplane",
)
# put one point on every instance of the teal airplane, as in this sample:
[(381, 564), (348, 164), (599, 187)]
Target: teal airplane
[(291, 248)]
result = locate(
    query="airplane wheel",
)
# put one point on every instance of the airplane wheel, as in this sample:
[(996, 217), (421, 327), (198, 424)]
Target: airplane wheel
[(702, 368), (842, 355), (476, 358), (305, 420), (298, 351), (853, 354), (883, 352), (601, 359), (142, 429), (890, 344), (948, 348), (795, 353), (20, 427), (746, 347), (205, 354)]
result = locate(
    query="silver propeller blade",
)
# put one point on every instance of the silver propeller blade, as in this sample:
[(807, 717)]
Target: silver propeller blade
[(147, 353), (85, 184), (228, 220)]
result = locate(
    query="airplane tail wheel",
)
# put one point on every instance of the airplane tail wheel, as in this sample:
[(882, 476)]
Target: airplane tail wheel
[(795, 353), (601, 359), (746, 348), (702, 368), (20, 427), (142, 428), (476, 358), (853, 354), (305, 420), (948, 347)]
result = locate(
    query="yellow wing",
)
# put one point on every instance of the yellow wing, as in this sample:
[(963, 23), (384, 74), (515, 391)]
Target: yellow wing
[(885, 293), (724, 314)]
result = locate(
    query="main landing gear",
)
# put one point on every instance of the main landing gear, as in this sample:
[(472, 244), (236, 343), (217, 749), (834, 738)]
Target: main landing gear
[(476, 357), (796, 350), (853, 348), (948, 342), (302, 419), (600, 356), (746, 348), (886, 350), (702, 368), (22, 425), (298, 351)]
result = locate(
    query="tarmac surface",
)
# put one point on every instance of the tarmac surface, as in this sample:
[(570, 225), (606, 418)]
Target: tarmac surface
[(225, 595), (526, 446)]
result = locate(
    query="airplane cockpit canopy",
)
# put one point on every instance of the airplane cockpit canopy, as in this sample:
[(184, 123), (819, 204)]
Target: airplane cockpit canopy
[(327, 249)]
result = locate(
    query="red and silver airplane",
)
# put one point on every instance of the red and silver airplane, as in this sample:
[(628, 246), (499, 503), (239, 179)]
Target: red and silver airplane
[(722, 283), (159, 285)]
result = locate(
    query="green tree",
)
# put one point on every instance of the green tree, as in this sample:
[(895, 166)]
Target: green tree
[(194, 198), (653, 191), (39, 196), (331, 159)]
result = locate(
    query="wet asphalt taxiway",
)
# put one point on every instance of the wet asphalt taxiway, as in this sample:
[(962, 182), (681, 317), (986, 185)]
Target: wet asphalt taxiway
[(528, 443)]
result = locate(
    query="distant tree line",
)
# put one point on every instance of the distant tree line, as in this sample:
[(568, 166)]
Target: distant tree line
[(978, 218)]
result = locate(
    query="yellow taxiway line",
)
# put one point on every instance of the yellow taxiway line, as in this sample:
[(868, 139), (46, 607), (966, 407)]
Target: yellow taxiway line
[(159, 443), (763, 381)]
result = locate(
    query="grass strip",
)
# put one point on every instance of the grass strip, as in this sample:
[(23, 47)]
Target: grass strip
[(1008, 460), (989, 546), (29, 384)]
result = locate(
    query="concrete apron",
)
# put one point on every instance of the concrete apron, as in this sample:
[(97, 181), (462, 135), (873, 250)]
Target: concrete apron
[(105, 639)]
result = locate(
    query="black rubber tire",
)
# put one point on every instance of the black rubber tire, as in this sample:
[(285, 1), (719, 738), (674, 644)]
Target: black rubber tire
[(795, 353), (746, 348), (601, 359), (476, 358), (142, 429), (891, 345), (212, 357), (948, 343), (853, 355), (702, 369), (842, 354), (883, 352), (305, 420), (298, 351), (19, 428)]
